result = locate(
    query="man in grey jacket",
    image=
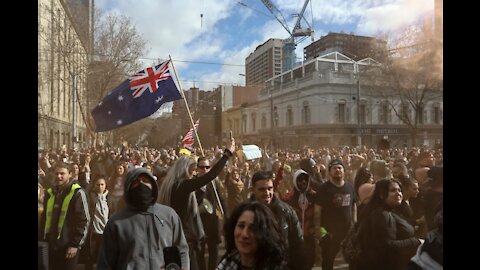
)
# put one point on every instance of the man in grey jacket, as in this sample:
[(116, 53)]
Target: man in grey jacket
[(134, 237)]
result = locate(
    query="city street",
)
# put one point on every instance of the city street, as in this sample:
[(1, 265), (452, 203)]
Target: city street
[(340, 264)]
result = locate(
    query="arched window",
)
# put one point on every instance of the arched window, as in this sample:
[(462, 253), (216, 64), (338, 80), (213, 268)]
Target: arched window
[(341, 107), (420, 113), (383, 113), (437, 113), (363, 111), (405, 113), (305, 113), (289, 115)]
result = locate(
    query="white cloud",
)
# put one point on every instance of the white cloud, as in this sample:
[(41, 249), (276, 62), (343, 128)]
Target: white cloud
[(175, 28), (393, 16)]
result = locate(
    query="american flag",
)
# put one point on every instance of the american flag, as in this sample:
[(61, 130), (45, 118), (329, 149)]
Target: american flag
[(188, 139), (130, 102)]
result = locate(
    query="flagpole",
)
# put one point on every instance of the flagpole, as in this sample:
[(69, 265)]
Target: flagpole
[(188, 109), (195, 130)]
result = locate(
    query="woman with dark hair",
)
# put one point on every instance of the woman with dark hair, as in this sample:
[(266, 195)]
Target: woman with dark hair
[(253, 240), (393, 237), (363, 187)]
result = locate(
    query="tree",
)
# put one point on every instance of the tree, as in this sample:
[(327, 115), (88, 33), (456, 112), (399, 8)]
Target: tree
[(117, 49), (98, 54), (414, 75)]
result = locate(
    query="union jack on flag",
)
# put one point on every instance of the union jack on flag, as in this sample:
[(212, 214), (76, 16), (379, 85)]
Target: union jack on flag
[(148, 79)]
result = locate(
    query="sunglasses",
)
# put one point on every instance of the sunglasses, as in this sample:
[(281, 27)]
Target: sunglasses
[(203, 167)]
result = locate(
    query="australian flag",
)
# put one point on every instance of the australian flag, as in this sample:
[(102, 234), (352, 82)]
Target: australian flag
[(136, 98)]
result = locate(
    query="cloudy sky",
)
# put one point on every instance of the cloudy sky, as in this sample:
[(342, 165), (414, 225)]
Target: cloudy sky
[(210, 50)]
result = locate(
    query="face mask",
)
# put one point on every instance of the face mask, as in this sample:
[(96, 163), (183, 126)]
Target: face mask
[(141, 197)]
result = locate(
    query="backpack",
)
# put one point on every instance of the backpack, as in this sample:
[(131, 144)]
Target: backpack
[(350, 246)]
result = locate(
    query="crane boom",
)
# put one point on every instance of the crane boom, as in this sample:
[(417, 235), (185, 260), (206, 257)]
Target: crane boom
[(276, 13), (289, 44), (297, 29)]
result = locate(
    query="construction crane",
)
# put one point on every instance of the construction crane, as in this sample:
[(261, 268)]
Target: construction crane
[(290, 43)]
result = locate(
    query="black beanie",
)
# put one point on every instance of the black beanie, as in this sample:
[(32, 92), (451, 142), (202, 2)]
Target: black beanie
[(335, 162)]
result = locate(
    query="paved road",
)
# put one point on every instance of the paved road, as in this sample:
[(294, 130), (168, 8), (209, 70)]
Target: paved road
[(340, 263)]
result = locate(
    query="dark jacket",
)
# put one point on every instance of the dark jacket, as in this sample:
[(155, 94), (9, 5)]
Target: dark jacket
[(135, 239), (393, 241), (232, 262), (192, 225), (292, 231), (210, 221), (77, 219)]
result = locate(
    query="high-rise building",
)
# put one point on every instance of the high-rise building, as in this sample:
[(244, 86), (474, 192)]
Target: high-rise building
[(264, 63), (353, 46)]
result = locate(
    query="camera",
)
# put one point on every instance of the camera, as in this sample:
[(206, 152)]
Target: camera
[(171, 255)]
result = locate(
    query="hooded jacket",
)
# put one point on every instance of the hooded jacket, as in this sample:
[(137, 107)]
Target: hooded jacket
[(302, 203), (135, 239), (306, 165)]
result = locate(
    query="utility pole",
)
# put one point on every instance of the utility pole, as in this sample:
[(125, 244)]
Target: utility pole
[(359, 134), (272, 140), (74, 111)]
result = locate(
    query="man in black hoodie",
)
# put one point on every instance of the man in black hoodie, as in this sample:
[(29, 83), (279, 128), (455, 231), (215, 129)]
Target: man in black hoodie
[(310, 166)]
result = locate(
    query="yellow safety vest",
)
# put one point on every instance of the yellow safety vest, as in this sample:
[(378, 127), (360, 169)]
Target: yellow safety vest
[(63, 212)]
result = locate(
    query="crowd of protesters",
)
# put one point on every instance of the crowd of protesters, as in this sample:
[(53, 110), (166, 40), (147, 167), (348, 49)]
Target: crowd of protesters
[(301, 178)]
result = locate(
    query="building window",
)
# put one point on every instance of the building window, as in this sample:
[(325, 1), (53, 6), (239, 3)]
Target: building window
[(436, 115), (341, 112), (289, 116), (405, 113), (420, 113), (254, 118), (305, 113), (264, 121), (383, 114), (275, 117), (244, 124), (362, 112)]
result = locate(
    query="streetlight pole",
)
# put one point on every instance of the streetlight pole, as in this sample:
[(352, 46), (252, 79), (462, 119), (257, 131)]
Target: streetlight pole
[(359, 134)]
